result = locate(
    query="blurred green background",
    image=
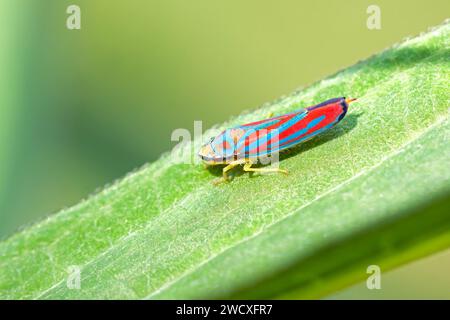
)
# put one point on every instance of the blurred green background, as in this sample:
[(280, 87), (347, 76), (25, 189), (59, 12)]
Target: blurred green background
[(80, 108)]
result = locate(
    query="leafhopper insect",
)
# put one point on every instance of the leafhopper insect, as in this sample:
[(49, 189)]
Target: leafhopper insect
[(245, 144)]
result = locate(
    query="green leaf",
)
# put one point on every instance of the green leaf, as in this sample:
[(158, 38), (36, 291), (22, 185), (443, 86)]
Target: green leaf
[(373, 190)]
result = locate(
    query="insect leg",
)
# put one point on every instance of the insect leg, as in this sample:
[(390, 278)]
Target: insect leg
[(248, 167), (230, 166)]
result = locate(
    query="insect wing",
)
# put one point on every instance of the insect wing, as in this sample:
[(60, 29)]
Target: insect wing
[(262, 137)]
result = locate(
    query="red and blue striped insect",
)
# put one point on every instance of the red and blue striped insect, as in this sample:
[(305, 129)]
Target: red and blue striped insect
[(245, 144)]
